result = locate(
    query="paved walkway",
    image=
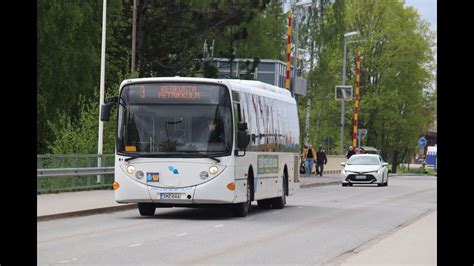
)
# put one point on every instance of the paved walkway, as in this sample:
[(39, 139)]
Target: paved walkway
[(414, 244)]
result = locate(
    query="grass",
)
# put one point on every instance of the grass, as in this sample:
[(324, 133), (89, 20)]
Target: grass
[(405, 170)]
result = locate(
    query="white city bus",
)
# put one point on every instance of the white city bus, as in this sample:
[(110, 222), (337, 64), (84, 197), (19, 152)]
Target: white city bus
[(194, 142)]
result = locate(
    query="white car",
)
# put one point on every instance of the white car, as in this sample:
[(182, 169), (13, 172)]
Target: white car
[(365, 169)]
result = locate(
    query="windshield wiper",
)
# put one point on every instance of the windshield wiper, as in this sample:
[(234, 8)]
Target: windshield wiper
[(135, 156), (206, 155)]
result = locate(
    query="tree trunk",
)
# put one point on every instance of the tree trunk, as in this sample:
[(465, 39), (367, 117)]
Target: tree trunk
[(395, 162)]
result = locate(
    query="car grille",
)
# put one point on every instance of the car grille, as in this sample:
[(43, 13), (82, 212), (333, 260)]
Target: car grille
[(367, 178)]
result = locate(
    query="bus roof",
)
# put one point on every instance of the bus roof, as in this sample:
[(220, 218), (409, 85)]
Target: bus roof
[(250, 86)]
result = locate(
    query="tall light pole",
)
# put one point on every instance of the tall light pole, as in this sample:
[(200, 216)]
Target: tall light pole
[(102, 81), (308, 103), (295, 58), (134, 35), (343, 103)]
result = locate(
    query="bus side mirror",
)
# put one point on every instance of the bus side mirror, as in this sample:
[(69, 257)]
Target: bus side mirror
[(243, 138), (105, 108), (242, 126)]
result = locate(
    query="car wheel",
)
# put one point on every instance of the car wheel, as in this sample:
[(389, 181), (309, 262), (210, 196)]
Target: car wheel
[(344, 184), (146, 209), (350, 184)]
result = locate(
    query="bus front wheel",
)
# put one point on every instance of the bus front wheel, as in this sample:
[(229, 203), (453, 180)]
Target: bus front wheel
[(146, 209), (279, 202), (241, 209)]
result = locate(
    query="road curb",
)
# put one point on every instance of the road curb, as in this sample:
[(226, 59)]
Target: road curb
[(320, 184), (86, 212)]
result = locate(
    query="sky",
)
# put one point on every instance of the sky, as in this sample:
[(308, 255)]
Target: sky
[(426, 9)]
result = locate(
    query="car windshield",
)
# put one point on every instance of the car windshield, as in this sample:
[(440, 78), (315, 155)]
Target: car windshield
[(167, 119), (363, 160)]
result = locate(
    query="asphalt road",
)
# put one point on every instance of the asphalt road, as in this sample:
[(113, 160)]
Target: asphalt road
[(318, 225)]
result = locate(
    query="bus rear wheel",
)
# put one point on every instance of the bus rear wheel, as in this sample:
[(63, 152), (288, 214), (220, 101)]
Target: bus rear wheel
[(264, 204), (146, 209)]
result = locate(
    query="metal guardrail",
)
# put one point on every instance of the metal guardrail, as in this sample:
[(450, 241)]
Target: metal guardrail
[(74, 171), (46, 161)]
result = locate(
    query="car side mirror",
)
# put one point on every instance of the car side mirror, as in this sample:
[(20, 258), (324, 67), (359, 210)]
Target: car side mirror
[(385, 164), (343, 164)]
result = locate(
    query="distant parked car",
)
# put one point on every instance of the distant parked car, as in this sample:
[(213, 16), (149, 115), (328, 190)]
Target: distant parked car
[(365, 169), (368, 150)]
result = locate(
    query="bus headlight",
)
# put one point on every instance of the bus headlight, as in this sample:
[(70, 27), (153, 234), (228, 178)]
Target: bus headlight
[(213, 170), (139, 174), (131, 169), (204, 175)]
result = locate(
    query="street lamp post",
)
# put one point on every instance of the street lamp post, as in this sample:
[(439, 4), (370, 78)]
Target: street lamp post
[(304, 5), (102, 81), (343, 103)]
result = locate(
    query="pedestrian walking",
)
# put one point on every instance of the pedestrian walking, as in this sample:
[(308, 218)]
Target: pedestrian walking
[(350, 152), (321, 160), (309, 157)]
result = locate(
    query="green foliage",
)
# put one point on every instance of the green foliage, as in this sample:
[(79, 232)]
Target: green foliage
[(396, 63), (68, 59), (80, 137)]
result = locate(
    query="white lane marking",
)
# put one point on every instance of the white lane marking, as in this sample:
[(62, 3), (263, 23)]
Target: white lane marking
[(74, 259), (182, 234), (63, 261), (300, 207), (251, 218), (135, 245), (219, 225), (276, 212)]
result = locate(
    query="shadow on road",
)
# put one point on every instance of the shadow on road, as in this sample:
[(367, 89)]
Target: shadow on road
[(204, 213)]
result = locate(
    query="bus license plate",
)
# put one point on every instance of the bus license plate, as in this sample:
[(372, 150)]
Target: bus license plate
[(171, 196), (360, 176)]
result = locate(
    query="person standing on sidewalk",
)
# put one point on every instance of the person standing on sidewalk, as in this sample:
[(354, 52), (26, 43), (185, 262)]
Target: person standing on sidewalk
[(309, 156), (350, 152), (321, 160)]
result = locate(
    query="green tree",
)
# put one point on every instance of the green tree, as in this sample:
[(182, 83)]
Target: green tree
[(68, 59), (395, 60)]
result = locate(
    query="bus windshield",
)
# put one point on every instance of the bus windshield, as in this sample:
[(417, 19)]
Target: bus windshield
[(174, 119)]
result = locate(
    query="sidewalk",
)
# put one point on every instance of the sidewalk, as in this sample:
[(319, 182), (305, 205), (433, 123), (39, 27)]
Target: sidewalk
[(67, 204), (414, 244)]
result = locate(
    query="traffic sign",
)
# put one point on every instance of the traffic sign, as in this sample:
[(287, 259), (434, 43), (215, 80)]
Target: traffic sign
[(361, 133), (343, 93), (422, 142)]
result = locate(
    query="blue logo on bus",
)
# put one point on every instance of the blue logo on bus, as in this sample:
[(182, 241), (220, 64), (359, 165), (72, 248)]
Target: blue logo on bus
[(174, 171)]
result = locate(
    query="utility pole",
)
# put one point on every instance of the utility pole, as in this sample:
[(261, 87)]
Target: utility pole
[(134, 35)]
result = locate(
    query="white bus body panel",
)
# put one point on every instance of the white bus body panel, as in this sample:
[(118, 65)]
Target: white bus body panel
[(231, 168), (176, 175)]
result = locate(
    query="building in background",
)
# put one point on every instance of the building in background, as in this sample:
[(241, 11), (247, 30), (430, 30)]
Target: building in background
[(269, 71)]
